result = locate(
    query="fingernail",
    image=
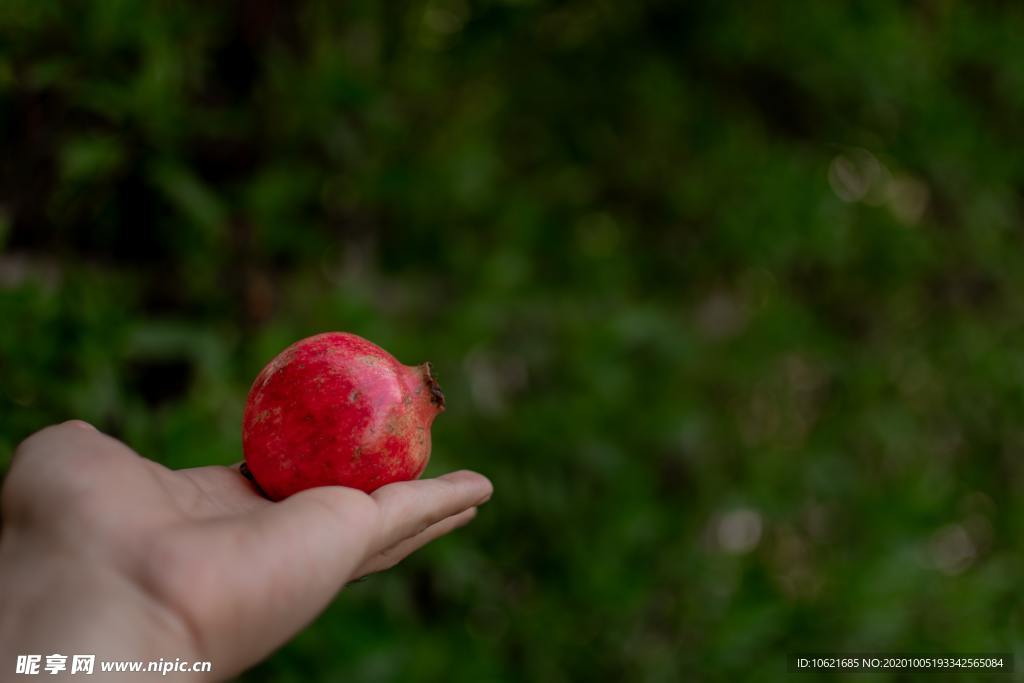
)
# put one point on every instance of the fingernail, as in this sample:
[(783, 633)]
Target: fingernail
[(81, 424)]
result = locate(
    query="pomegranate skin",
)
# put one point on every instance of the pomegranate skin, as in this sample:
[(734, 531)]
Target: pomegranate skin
[(336, 409)]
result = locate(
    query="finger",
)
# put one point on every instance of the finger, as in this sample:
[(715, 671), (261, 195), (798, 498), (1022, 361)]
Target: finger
[(328, 528), (323, 532), (60, 463), (74, 438), (409, 507), (80, 424), (395, 554), (76, 444)]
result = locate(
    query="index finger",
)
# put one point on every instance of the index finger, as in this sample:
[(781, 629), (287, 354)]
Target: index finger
[(409, 507)]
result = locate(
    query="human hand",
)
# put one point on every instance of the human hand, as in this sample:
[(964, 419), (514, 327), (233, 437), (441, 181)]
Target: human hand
[(105, 551)]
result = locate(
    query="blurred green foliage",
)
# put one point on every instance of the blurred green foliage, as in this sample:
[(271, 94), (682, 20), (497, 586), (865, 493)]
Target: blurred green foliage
[(722, 296)]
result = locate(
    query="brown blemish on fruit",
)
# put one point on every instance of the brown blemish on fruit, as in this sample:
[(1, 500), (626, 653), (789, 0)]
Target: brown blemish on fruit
[(267, 414), (370, 361), (283, 359)]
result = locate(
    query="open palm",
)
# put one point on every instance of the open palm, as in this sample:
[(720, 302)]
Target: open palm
[(235, 573)]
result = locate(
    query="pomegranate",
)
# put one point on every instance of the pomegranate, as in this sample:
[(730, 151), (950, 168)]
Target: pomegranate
[(336, 409)]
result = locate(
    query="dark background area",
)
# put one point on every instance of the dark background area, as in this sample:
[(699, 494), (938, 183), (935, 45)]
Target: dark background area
[(725, 300)]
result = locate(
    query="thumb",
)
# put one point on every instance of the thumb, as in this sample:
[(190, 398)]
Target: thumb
[(278, 567)]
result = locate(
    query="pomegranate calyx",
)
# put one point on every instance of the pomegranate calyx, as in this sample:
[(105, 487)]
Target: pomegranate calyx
[(436, 395)]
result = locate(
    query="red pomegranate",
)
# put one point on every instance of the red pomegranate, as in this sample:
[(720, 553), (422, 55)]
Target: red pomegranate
[(336, 409)]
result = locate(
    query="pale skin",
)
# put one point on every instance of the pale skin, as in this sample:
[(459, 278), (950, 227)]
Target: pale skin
[(105, 552)]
